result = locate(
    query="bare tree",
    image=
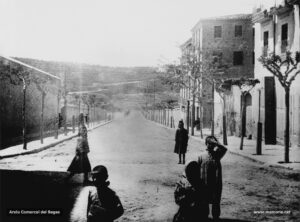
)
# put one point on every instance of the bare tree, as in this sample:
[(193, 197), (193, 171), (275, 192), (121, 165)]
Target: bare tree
[(17, 75), (224, 89), (285, 70), (245, 86)]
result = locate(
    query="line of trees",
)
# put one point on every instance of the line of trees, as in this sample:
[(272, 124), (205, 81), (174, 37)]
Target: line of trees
[(18, 75)]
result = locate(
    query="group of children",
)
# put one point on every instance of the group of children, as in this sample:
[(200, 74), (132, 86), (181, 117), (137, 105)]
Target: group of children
[(100, 203)]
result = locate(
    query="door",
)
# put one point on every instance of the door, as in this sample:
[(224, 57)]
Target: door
[(270, 110)]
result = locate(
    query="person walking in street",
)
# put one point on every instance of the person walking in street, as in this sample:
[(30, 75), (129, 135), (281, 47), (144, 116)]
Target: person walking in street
[(81, 163), (181, 142), (189, 196), (98, 202), (211, 175)]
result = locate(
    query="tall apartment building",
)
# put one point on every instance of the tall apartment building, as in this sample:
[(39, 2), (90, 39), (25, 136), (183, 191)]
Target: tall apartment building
[(232, 39), (277, 30)]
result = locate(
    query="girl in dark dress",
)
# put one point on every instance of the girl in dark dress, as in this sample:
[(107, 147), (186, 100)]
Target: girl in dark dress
[(81, 163)]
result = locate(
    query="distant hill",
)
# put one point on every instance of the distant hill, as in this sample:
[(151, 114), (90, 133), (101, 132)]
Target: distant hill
[(82, 76)]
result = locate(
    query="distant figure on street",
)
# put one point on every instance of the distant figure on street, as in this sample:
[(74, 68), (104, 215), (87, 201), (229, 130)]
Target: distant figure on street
[(211, 175), (81, 163), (60, 120), (87, 119), (189, 196), (181, 142), (98, 202)]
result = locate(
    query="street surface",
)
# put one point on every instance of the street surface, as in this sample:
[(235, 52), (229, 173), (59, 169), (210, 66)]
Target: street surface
[(143, 171)]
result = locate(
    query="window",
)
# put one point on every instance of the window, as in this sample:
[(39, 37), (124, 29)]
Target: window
[(238, 31), (218, 31), (238, 58), (266, 38), (284, 37), (266, 43)]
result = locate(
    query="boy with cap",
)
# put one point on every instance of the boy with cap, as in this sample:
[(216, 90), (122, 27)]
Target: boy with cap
[(98, 202)]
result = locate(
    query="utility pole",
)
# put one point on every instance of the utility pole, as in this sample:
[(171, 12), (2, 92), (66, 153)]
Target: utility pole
[(213, 109)]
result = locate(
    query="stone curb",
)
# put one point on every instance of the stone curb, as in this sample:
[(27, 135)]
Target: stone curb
[(271, 165), (49, 145)]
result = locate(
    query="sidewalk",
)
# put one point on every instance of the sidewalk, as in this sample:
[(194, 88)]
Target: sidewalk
[(36, 146), (271, 154)]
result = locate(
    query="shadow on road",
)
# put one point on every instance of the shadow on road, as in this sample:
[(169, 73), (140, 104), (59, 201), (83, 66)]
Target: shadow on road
[(209, 220), (36, 191)]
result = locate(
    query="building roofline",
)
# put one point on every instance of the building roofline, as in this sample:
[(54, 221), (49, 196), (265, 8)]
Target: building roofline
[(262, 16), (189, 41), (30, 67), (224, 18)]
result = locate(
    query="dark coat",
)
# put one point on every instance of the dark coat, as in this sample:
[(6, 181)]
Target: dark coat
[(181, 141), (190, 202), (94, 205), (81, 163), (211, 174)]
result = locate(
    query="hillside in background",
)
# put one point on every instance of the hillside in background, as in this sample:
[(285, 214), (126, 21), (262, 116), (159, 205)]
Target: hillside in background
[(82, 76)]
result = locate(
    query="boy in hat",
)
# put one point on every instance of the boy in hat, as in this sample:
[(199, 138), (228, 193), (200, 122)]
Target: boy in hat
[(98, 202)]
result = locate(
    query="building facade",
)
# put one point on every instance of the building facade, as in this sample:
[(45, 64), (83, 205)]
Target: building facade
[(277, 30), (231, 39)]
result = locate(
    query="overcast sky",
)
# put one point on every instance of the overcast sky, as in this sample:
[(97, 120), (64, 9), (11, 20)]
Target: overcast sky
[(106, 32)]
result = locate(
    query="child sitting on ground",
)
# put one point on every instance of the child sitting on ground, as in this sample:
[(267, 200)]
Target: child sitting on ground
[(188, 195)]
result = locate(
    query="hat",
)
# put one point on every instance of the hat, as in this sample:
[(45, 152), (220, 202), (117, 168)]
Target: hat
[(100, 171), (210, 139)]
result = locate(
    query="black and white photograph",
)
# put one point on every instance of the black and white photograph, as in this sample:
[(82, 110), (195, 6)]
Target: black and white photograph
[(149, 110)]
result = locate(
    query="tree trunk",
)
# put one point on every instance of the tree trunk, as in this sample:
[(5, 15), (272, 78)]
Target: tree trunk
[(57, 115), (65, 116), (193, 115), (201, 121), (243, 116), (79, 107), (224, 123), (42, 119), (188, 116), (213, 110), (168, 118), (88, 116), (73, 124), (24, 116), (287, 125)]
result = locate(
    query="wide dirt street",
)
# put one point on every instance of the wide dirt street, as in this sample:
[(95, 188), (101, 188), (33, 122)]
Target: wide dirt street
[(143, 171)]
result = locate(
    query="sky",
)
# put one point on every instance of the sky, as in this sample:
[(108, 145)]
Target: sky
[(107, 32)]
